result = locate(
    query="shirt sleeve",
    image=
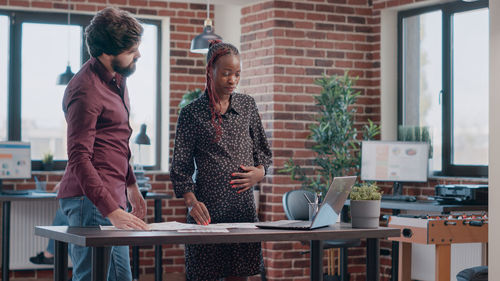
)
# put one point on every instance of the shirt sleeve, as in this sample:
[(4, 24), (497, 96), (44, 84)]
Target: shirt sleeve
[(262, 154), (181, 172), (130, 176), (81, 115)]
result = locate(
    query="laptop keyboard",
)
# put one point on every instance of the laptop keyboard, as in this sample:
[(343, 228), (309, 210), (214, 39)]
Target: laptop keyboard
[(299, 225)]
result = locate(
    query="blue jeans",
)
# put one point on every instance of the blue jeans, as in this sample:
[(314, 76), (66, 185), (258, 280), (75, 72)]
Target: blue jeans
[(82, 212), (59, 219)]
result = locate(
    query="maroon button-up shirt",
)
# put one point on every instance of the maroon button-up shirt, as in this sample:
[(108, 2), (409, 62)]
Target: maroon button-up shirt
[(96, 106)]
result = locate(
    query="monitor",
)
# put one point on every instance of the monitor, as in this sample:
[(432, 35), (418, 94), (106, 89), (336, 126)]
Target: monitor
[(395, 161), (15, 161)]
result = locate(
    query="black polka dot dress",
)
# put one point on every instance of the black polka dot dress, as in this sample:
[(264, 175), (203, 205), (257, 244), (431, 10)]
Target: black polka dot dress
[(243, 142)]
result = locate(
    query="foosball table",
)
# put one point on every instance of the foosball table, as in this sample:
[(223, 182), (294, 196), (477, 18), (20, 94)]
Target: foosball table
[(442, 231)]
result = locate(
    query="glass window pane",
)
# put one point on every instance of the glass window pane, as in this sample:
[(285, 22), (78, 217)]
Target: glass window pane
[(422, 81), (46, 50), (4, 67), (142, 86), (470, 88)]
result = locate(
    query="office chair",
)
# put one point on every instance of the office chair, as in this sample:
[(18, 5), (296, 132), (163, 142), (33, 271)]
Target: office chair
[(296, 207)]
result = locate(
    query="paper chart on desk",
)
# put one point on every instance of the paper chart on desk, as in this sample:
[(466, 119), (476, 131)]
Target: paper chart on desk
[(165, 226), (204, 230), (177, 226)]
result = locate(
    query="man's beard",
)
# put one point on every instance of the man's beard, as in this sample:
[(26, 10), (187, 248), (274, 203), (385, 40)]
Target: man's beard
[(125, 71)]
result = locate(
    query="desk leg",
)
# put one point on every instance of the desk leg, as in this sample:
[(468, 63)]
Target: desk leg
[(61, 261), (158, 252), (100, 259), (135, 263), (395, 261), (443, 262), (317, 260), (395, 254), (5, 239), (405, 261), (372, 259)]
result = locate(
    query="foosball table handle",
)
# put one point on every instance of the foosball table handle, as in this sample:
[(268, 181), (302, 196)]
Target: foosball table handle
[(475, 223)]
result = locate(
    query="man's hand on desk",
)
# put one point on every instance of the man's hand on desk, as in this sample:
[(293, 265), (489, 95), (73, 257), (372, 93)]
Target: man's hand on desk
[(123, 220), (136, 201)]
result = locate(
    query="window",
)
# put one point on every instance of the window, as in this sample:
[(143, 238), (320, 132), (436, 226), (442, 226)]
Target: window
[(42, 120), (44, 45), (143, 97), (443, 83)]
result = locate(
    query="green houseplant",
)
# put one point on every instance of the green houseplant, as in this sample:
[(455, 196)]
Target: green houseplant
[(48, 161), (335, 136), (365, 205), (190, 96)]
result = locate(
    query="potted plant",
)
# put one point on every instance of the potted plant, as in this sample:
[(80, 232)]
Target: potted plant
[(190, 96), (48, 161), (418, 133), (365, 205), (335, 136)]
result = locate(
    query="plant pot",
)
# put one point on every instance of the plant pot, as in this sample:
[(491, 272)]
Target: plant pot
[(365, 213), (48, 166)]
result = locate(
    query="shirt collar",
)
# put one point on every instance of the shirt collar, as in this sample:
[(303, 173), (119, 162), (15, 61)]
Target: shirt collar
[(235, 104), (103, 73)]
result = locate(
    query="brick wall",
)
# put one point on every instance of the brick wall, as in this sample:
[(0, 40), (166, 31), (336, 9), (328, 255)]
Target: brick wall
[(285, 46)]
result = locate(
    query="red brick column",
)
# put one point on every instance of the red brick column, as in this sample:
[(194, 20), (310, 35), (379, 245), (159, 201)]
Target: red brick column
[(286, 45)]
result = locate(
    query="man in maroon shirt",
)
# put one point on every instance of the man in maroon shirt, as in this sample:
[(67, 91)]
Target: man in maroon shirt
[(99, 179)]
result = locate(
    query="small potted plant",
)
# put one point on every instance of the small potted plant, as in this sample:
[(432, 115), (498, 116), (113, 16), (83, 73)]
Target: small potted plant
[(365, 205), (48, 161)]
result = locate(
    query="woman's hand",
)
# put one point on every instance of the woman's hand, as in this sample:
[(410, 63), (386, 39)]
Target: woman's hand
[(251, 176), (197, 209)]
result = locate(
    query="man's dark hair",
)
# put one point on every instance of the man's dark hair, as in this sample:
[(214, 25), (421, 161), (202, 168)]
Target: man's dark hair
[(112, 32)]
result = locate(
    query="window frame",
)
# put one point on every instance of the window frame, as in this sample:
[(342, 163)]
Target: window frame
[(447, 10), (14, 117)]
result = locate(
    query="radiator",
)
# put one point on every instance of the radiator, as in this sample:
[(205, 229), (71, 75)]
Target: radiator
[(24, 216)]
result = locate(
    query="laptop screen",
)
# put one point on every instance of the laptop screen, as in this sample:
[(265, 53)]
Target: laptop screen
[(334, 201)]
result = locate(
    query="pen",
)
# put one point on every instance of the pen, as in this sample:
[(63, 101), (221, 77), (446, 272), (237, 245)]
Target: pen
[(307, 198)]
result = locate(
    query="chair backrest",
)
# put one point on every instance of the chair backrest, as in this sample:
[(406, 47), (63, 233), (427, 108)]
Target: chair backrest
[(295, 204)]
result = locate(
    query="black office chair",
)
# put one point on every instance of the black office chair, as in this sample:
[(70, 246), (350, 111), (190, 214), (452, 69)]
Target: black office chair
[(296, 207)]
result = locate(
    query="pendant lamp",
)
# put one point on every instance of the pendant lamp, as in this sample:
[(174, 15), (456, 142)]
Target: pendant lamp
[(199, 44), (64, 78)]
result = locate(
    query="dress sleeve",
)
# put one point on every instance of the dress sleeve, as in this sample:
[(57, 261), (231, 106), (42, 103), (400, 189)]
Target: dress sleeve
[(262, 154), (81, 115), (181, 172)]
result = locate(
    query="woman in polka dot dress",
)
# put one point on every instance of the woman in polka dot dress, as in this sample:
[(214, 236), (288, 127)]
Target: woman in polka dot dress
[(220, 134)]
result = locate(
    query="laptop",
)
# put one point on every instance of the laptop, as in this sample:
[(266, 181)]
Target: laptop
[(328, 212)]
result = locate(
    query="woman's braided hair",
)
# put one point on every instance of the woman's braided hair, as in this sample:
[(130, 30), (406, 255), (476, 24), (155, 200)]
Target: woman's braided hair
[(216, 50)]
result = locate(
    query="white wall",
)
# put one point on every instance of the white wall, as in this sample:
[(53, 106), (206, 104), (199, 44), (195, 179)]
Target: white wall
[(227, 23), (494, 153)]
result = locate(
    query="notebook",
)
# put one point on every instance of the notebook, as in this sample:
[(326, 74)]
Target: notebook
[(328, 211)]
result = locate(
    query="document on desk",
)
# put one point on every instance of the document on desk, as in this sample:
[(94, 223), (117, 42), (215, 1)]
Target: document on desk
[(187, 227)]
